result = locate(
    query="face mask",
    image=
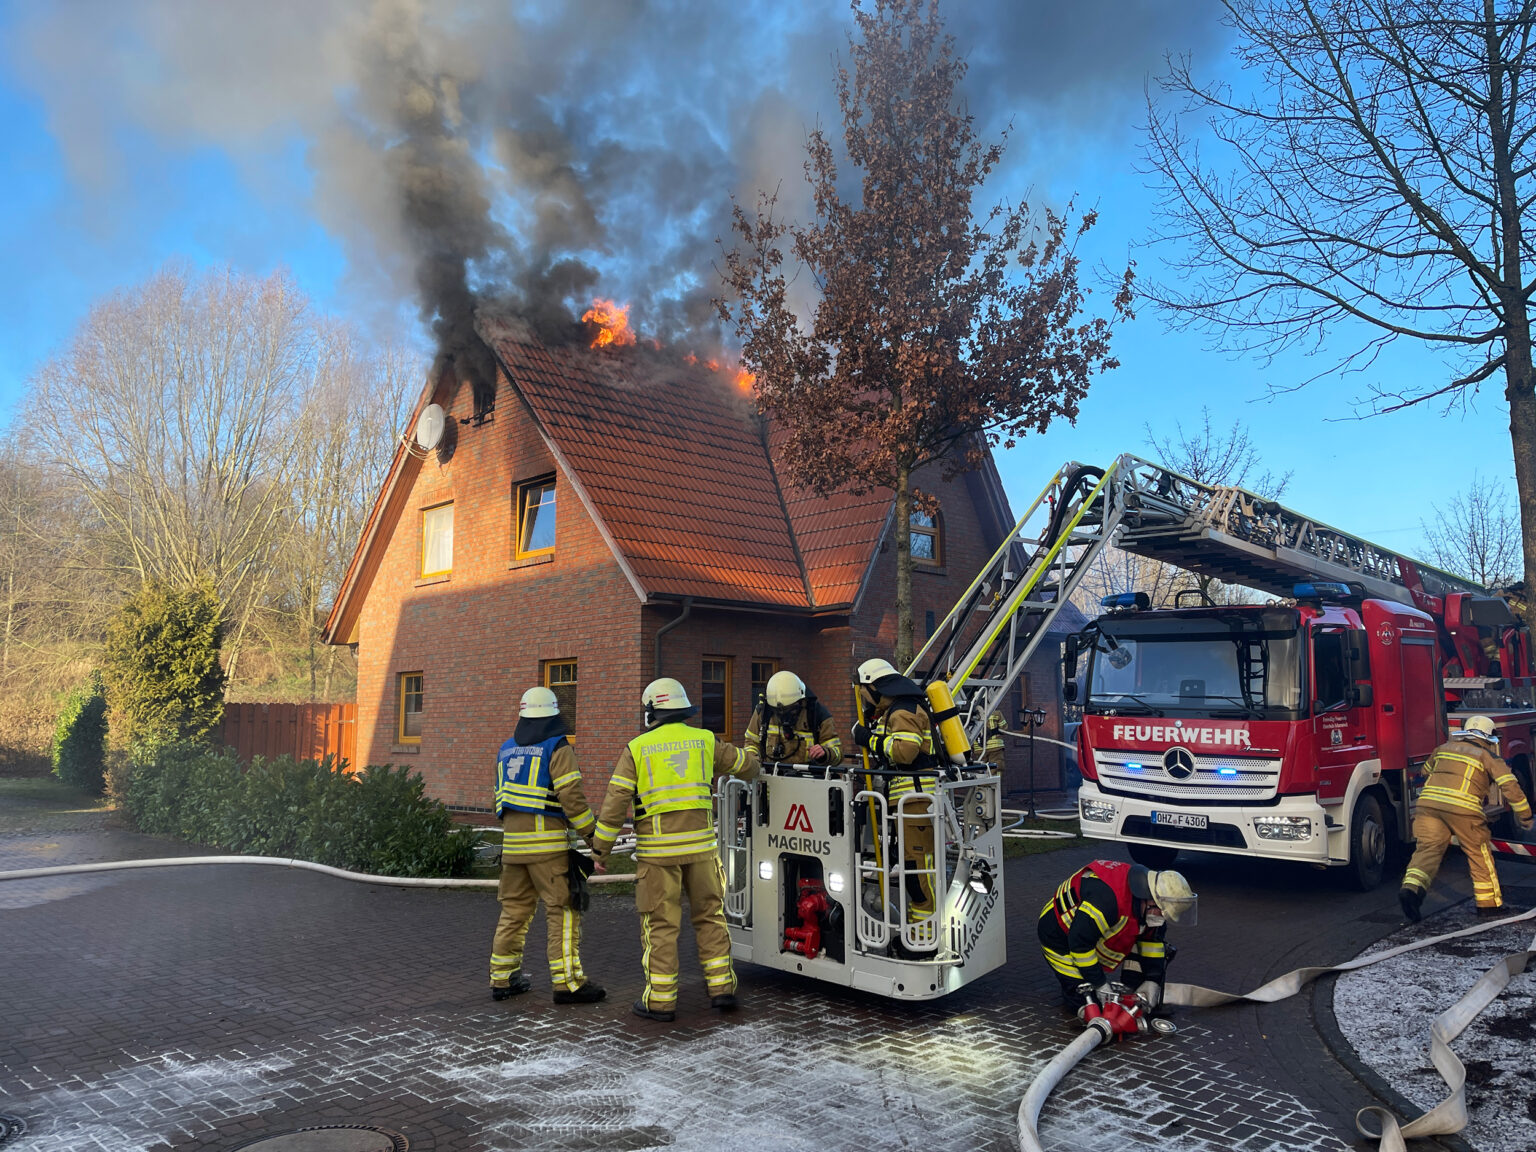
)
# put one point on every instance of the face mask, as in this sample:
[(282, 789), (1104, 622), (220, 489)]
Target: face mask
[(1155, 918)]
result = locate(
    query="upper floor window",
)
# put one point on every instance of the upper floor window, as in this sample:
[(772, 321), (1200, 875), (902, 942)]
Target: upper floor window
[(560, 678), (437, 540), (927, 538), (536, 517), (411, 700)]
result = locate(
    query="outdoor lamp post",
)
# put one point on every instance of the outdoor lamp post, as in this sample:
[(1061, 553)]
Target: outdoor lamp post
[(1029, 720)]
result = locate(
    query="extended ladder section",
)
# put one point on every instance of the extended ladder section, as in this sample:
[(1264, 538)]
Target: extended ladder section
[(982, 646)]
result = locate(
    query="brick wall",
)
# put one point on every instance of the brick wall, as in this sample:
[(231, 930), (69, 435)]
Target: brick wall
[(478, 636)]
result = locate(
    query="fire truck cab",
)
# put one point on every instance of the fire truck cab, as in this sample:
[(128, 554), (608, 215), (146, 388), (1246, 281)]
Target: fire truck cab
[(1292, 731)]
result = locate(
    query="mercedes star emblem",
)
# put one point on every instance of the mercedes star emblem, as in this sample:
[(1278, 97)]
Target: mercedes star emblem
[(1178, 763)]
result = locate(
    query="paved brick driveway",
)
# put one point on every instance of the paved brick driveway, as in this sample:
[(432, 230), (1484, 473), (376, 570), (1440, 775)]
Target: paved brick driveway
[(198, 1008)]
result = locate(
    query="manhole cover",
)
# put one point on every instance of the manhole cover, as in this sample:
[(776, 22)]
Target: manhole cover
[(330, 1138), (11, 1127)]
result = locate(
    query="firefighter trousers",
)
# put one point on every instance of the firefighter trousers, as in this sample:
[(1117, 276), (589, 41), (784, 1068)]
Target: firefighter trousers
[(918, 836), (523, 884), (1433, 830), (659, 892)]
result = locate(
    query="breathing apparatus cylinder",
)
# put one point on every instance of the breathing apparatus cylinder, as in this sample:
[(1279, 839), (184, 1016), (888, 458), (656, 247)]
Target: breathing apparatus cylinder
[(951, 732)]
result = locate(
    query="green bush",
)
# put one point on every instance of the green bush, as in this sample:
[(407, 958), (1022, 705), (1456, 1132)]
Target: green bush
[(379, 820), (80, 740), (163, 677)]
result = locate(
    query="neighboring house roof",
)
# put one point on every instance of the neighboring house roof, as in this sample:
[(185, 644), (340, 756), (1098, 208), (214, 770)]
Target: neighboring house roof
[(1069, 619), (678, 473)]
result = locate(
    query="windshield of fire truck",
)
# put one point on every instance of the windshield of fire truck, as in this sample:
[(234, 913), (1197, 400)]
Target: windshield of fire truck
[(1233, 663)]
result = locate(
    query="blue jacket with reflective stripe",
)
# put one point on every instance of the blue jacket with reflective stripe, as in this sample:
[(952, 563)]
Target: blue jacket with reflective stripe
[(523, 782)]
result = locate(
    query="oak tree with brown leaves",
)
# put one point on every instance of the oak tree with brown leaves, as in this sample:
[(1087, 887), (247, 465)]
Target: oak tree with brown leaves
[(934, 333)]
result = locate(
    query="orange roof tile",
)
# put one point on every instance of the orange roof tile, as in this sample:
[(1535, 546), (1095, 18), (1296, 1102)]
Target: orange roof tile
[(681, 474)]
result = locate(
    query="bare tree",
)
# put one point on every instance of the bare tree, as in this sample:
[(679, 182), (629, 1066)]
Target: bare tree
[(357, 407), (1477, 535), (935, 333), (1375, 184)]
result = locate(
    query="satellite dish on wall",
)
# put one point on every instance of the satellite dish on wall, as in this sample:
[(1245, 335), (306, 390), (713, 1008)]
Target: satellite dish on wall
[(429, 427)]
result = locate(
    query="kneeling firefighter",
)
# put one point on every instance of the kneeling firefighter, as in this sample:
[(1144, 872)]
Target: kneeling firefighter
[(896, 730), (791, 726), (667, 773), (538, 800), (1105, 915)]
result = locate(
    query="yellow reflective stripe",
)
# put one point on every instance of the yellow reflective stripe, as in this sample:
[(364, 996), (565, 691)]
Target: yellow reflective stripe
[(1061, 963), (569, 778), (833, 746), (584, 821), (1084, 959), (1151, 948), (608, 831), (1507, 778), (1096, 916), (741, 760), (1109, 956), (1451, 796), (651, 849), (623, 784)]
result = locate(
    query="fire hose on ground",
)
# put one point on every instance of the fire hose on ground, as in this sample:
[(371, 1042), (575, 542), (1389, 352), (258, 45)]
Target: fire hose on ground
[(1446, 1117), (286, 862)]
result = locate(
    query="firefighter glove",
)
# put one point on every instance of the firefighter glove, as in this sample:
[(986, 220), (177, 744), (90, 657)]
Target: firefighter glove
[(1150, 993), (864, 737)]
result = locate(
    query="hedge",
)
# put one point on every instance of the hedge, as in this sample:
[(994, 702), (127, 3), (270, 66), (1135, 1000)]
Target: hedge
[(80, 739), (379, 820)]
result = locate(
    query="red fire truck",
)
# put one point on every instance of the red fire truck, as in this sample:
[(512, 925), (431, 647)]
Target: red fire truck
[(1295, 729)]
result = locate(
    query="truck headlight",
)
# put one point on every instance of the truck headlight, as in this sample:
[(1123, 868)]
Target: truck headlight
[(1097, 811), (765, 869), (1283, 827), (834, 881)]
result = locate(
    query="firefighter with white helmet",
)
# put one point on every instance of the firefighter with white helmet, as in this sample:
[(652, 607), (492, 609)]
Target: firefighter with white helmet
[(791, 726), (1112, 915), (667, 773), (539, 800), (897, 731), (1461, 772)]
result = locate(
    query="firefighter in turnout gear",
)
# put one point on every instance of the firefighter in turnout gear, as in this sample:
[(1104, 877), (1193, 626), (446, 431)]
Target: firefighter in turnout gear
[(1111, 915), (1461, 772), (538, 800), (791, 726), (897, 732), (667, 773)]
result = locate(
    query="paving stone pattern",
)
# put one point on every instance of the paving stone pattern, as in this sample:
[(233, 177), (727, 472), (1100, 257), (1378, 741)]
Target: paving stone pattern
[(200, 1008)]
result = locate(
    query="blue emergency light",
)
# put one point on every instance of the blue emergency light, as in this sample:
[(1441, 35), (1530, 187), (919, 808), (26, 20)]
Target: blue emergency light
[(1126, 600), (1320, 589), (1226, 771)]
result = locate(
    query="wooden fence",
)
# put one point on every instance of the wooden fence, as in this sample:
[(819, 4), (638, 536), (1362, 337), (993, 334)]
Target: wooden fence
[(303, 731)]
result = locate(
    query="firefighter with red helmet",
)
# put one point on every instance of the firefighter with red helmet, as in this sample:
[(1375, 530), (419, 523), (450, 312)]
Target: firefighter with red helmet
[(539, 800), (1461, 773), (1112, 915), (667, 773)]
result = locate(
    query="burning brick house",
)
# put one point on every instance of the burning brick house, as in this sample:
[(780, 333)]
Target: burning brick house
[(617, 516)]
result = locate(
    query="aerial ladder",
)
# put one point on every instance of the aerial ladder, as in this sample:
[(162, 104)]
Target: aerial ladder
[(820, 876)]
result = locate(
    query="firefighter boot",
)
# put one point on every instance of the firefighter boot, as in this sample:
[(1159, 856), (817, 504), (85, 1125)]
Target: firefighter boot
[(1499, 910), (639, 1009), (1411, 899), (516, 987), (588, 993), (725, 1002)]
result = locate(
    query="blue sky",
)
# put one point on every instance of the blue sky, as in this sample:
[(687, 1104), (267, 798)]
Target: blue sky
[(66, 242)]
